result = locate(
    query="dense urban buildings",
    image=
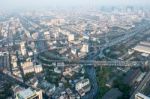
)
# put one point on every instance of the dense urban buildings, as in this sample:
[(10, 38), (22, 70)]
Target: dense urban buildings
[(77, 53)]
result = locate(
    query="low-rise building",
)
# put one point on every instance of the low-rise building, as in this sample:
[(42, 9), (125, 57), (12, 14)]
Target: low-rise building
[(143, 47), (28, 94), (70, 94), (47, 87), (85, 48)]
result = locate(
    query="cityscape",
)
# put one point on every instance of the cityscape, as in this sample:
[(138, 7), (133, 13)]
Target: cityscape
[(72, 51)]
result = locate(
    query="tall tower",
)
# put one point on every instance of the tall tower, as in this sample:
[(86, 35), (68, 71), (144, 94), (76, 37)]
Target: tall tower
[(92, 4), (20, 67)]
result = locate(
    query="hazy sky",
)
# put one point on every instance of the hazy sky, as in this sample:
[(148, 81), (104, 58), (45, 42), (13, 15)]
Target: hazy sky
[(36, 3)]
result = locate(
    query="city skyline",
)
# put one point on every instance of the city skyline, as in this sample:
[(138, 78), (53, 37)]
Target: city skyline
[(65, 3)]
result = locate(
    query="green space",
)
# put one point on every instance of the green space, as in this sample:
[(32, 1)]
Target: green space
[(28, 76), (67, 85), (53, 55), (51, 76), (116, 51), (49, 55), (102, 77), (124, 88)]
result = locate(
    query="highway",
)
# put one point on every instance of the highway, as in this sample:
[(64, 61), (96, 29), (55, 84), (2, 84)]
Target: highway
[(115, 63), (13, 80), (131, 33)]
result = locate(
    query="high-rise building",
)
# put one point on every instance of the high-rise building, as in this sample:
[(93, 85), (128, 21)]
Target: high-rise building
[(22, 48), (71, 37)]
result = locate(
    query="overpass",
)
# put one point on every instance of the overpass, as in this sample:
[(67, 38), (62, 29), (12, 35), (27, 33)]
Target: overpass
[(116, 63)]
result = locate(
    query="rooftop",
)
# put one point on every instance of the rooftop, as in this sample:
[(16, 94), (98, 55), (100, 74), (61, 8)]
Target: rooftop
[(26, 93)]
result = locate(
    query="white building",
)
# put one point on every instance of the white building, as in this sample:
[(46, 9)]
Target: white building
[(143, 47), (14, 61), (141, 96), (33, 68), (83, 86), (70, 37), (22, 48), (74, 51), (85, 48), (29, 94)]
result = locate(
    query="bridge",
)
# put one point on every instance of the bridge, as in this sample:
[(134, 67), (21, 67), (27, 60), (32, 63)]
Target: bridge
[(116, 63)]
